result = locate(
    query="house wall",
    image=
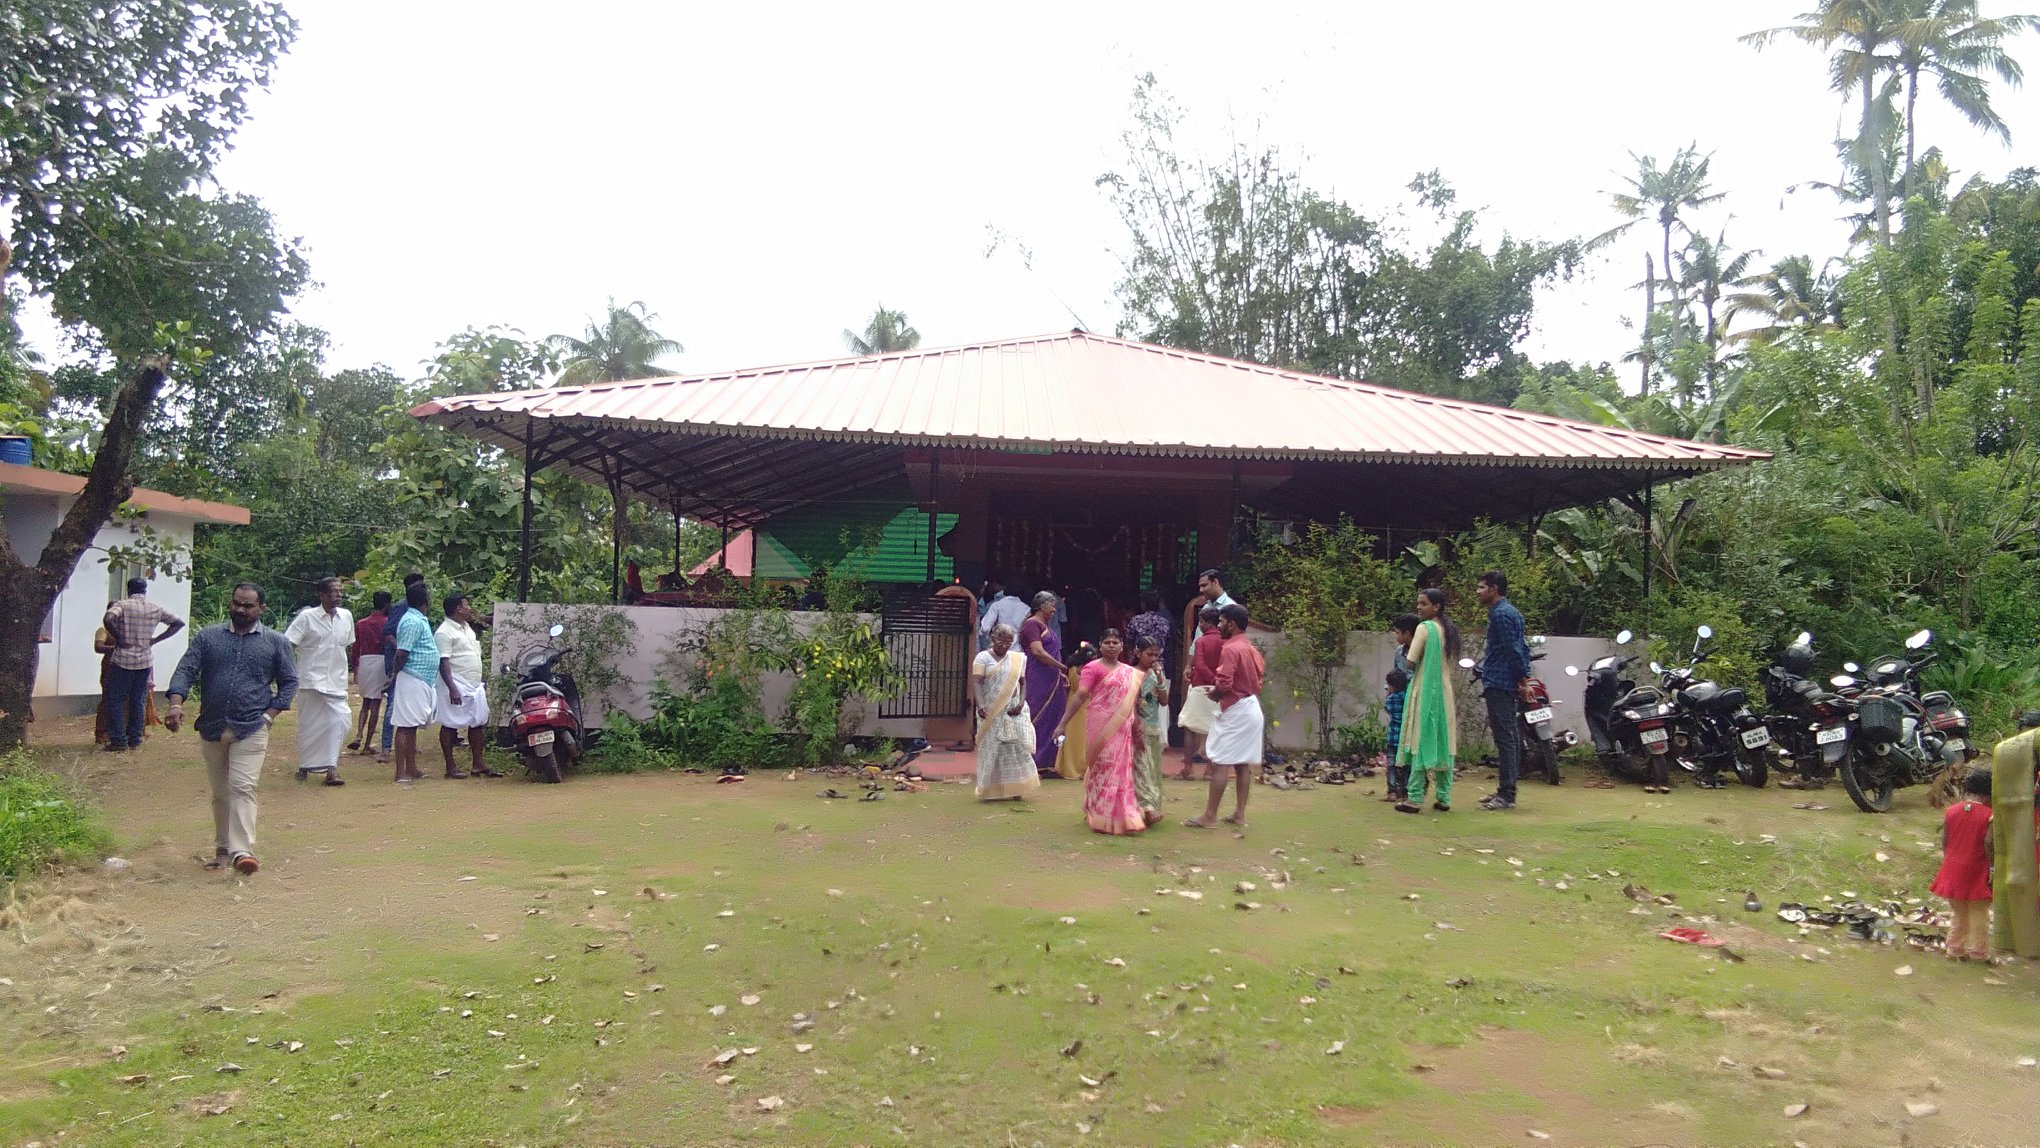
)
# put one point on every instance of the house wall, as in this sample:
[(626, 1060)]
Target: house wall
[(660, 631), (1369, 657), (67, 671)]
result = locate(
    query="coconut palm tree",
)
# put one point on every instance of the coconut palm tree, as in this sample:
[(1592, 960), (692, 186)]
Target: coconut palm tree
[(621, 346), (1661, 194), (1789, 298), (887, 332), (1948, 40), (1865, 37), (1706, 267)]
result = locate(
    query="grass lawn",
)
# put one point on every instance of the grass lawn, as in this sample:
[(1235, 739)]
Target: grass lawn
[(504, 963)]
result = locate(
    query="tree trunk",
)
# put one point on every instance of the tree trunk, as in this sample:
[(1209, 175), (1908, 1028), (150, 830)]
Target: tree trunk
[(27, 592), (1871, 156), (1912, 96), (1649, 309)]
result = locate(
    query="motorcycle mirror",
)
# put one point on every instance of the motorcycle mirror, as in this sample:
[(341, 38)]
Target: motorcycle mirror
[(1572, 671), (1622, 639), (1852, 667), (1842, 680), (556, 630), (1656, 669), (1805, 638), (1919, 639), (1466, 663), (1706, 631)]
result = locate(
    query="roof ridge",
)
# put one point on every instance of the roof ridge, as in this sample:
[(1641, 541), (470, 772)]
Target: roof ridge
[(839, 361)]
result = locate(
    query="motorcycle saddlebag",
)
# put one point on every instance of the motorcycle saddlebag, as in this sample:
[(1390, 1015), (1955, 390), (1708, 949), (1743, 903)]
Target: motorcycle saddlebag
[(1880, 720)]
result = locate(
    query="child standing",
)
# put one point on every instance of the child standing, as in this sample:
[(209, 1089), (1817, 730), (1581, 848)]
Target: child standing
[(1397, 688), (1964, 878), (1153, 703)]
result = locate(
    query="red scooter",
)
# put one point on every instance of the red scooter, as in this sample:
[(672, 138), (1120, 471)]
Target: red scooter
[(545, 714), (1542, 743)]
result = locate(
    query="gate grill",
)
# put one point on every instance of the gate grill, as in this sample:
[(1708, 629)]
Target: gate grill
[(930, 642)]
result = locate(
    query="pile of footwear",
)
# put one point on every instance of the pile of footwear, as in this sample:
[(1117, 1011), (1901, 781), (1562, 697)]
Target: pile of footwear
[(1886, 922)]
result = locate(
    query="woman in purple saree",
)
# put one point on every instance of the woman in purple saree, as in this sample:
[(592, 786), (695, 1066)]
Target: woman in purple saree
[(1046, 674)]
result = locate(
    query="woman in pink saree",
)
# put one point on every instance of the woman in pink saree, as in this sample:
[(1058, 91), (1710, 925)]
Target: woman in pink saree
[(1106, 696)]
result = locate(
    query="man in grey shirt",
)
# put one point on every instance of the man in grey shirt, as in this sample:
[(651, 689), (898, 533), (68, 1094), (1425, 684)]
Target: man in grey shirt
[(247, 677)]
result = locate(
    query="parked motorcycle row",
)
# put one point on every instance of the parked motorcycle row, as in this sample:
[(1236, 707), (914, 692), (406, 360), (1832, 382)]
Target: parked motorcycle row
[(1875, 729)]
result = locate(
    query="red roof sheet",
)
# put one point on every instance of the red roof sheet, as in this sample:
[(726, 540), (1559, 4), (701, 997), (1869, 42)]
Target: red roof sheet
[(1089, 393)]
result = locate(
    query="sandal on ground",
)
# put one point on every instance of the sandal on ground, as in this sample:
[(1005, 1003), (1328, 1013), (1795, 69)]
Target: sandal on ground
[(1231, 819), (1406, 807), (354, 746), (218, 862), (1442, 808), (457, 775), (1198, 823), (332, 779), (485, 771)]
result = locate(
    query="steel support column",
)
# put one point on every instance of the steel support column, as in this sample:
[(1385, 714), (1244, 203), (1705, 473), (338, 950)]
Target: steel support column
[(524, 529), (934, 509)]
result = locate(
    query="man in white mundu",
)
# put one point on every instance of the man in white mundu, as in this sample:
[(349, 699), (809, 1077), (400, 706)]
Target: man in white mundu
[(463, 700), (1234, 745), (320, 636)]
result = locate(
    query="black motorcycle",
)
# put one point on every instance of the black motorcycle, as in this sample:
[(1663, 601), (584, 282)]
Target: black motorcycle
[(1630, 724), (1715, 731), (1809, 724), (1900, 737)]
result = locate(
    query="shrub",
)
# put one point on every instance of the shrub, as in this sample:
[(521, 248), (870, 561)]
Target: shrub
[(1362, 739), (42, 820)]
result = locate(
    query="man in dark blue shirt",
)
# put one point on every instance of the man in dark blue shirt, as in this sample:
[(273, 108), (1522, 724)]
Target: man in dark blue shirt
[(247, 676), (1502, 669)]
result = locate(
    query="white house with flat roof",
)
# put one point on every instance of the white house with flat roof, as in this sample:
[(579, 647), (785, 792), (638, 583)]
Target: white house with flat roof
[(33, 501)]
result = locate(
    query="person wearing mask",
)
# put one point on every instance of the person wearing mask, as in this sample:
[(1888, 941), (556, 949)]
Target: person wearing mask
[(321, 635), (246, 676)]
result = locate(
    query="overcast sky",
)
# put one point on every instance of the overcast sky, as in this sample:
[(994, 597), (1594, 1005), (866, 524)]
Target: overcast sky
[(763, 176)]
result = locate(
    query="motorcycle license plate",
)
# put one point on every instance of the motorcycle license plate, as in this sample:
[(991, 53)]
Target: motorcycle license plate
[(1654, 737), (1831, 735), (1957, 744), (1756, 738), (1534, 716), (542, 737)]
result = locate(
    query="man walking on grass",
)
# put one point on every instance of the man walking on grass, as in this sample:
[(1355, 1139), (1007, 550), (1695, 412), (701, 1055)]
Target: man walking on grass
[(247, 678), (1503, 667), (321, 635), (1235, 739), (132, 622)]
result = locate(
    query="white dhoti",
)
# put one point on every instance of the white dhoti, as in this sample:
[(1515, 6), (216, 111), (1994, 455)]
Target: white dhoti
[(372, 677), (1198, 710), (323, 721), (412, 701), (472, 711), (1236, 734)]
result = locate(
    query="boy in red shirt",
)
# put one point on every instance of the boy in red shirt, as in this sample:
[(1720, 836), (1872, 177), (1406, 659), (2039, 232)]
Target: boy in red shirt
[(1198, 708), (1236, 733)]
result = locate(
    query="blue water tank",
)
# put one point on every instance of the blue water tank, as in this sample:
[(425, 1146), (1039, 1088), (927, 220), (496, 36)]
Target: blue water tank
[(14, 448)]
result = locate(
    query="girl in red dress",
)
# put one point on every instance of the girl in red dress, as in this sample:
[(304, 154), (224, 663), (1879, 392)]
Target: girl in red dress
[(1964, 878)]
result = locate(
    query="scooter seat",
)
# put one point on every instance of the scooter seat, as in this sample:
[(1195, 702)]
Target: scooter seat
[(1731, 699), (535, 690)]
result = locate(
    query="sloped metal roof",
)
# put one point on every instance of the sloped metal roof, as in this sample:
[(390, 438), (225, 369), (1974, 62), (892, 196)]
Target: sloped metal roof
[(738, 447), (1080, 392)]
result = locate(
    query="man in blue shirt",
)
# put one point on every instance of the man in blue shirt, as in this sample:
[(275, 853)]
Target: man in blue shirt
[(414, 673), (248, 677), (1502, 669)]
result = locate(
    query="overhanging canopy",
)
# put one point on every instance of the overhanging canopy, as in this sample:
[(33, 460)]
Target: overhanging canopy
[(738, 447)]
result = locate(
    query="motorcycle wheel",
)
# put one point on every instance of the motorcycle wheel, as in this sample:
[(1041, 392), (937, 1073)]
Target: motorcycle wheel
[(1871, 795), (1546, 759), (545, 766), (1752, 770)]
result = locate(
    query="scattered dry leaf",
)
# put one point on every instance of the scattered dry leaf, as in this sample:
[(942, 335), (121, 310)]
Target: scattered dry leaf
[(1902, 971), (1795, 1110), (1921, 1108), (1338, 1046), (771, 1103)]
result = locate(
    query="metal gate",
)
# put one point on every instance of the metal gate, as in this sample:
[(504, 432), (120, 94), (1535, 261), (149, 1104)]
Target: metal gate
[(930, 642)]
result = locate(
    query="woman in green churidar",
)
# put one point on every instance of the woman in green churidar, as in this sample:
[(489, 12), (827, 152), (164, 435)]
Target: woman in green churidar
[(1154, 702), (1430, 736)]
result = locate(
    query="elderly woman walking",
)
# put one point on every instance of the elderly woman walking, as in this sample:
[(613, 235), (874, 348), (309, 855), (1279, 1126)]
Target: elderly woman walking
[(1108, 697), (1045, 671), (1430, 735), (1005, 732)]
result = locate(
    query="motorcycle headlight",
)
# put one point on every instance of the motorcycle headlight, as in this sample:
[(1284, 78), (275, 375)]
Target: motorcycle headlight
[(1632, 715)]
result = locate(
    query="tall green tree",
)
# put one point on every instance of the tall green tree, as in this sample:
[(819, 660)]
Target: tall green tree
[(1790, 297), (888, 331), (1863, 37), (112, 113), (1665, 196), (621, 345), (1949, 41), (1707, 267)]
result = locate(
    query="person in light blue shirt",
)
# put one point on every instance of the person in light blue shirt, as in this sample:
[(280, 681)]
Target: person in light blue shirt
[(414, 669)]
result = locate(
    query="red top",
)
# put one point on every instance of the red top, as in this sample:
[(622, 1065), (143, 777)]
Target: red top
[(1239, 671), (1204, 658), (367, 638), (1965, 853)]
